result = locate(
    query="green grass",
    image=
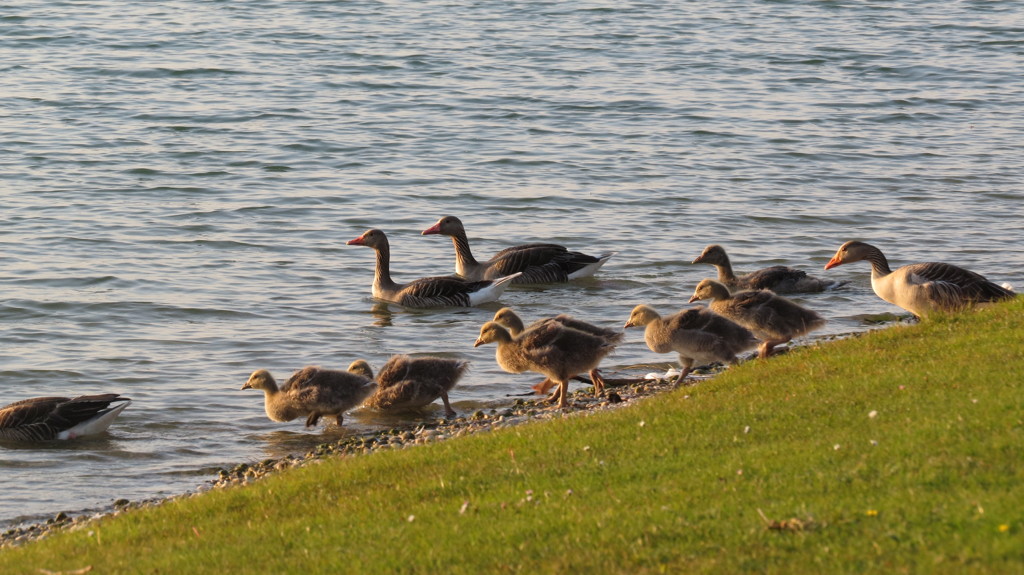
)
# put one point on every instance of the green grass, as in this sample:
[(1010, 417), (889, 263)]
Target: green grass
[(774, 466)]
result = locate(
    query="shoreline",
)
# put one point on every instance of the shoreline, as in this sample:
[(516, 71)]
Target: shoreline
[(621, 392)]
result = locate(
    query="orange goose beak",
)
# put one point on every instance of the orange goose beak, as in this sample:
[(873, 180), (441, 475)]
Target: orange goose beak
[(356, 242), (693, 298), (434, 229), (835, 261)]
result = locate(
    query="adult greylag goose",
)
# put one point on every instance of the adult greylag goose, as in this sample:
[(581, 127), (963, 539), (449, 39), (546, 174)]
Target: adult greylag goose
[(539, 263), (772, 318), (312, 392), (698, 335), (779, 279), (44, 418), (551, 349), (427, 292), (405, 382), (511, 321), (921, 288)]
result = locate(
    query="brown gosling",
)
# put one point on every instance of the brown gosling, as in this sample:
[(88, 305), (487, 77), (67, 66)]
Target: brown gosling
[(405, 383), (698, 335), (312, 392), (508, 318), (774, 319), (553, 350)]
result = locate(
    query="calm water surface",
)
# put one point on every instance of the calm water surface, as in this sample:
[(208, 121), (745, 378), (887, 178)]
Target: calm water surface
[(179, 180)]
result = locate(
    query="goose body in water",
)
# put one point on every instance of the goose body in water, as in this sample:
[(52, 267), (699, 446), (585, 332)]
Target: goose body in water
[(538, 263), (779, 279), (429, 292), (43, 418)]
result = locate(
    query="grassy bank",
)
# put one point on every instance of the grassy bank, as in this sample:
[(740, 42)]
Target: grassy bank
[(900, 450)]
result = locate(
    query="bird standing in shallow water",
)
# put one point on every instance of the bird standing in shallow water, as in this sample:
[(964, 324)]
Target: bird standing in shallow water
[(312, 392), (921, 288)]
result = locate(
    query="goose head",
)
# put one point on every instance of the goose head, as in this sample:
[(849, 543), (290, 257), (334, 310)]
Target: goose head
[(852, 251), (641, 316), (262, 380), (371, 238), (709, 289), (508, 318), (446, 226), (361, 367), (492, 332), (714, 255)]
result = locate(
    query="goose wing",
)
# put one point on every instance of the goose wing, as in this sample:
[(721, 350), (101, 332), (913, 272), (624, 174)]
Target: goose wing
[(770, 277), (29, 411), (954, 285), (43, 418)]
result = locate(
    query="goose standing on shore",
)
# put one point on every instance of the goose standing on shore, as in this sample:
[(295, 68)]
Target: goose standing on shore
[(779, 279), (427, 292), (698, 335), (44, 418), (772, 318), (551, 349), (511, 321), (539, 263), (921, 288), (405, 382), (312, 392)]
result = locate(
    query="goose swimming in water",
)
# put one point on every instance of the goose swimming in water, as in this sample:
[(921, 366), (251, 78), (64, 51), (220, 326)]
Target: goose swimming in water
[(779, 279), (538, 263), (43, 418), (444, 291)]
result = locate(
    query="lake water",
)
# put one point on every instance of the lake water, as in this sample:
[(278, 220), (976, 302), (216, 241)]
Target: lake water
[(179, 180)]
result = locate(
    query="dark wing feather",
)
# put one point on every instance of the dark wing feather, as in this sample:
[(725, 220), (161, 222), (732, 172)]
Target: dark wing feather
[(522, 258), (770, 277), (29, 411), (446, 289), (42, 418), (972, 286)]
